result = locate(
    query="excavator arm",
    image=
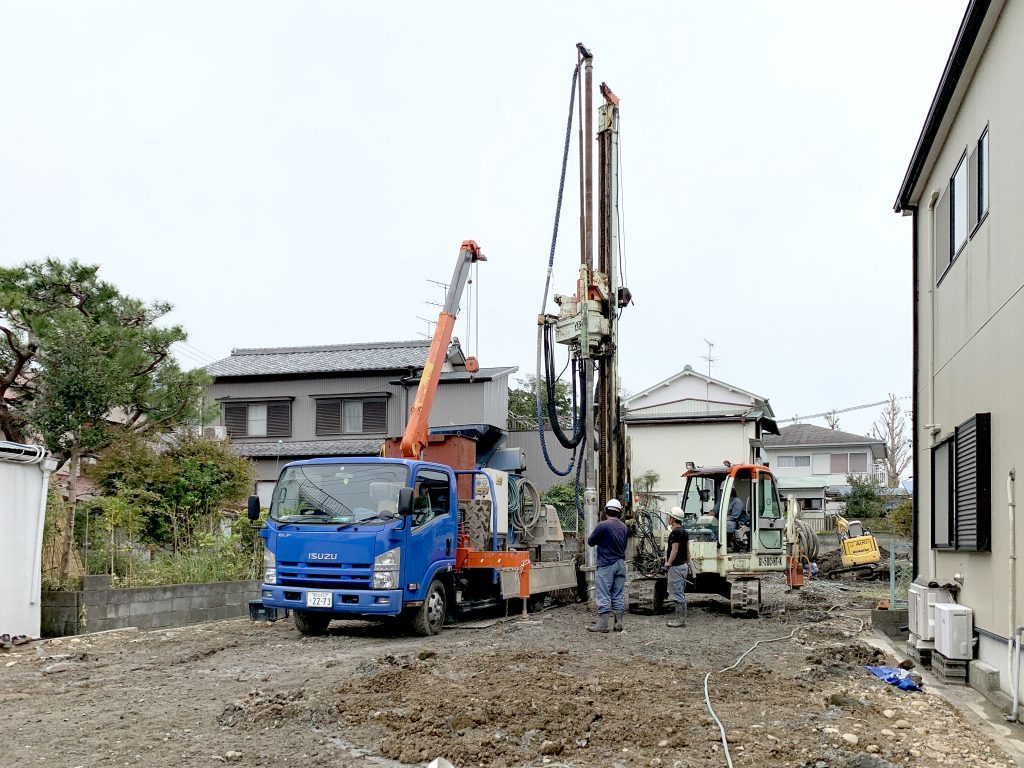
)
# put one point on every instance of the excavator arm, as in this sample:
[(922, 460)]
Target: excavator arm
[(415, 437)]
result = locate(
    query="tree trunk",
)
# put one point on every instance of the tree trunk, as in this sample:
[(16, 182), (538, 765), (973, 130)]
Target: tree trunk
[(9, 427), (69, 523)]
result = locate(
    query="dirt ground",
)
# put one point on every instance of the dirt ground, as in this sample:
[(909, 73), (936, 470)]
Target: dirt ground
[(495, 692)]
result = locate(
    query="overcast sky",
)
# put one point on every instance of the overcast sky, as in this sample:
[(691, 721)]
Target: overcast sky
[(295, 173)]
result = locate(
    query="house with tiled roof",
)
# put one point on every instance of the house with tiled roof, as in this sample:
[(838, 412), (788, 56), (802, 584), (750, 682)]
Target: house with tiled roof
[(279, 404)]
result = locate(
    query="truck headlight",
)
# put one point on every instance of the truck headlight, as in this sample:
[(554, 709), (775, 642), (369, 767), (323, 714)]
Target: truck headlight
[(269, 567), (385, 569)]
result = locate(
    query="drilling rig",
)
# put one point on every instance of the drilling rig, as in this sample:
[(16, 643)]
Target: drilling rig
[(587, 321)]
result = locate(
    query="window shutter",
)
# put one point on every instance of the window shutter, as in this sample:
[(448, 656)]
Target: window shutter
[(375, 416), (840, 463), (328, 417), (972, 190), (235, 419), (858, 462), (942, 234), (973, 466), (279, 419)]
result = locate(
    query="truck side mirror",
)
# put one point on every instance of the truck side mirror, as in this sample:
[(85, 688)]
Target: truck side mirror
[(405, 501), (254, 508)]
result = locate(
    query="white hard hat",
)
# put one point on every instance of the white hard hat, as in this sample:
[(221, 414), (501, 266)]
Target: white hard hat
[(677, 513), (613, 504)]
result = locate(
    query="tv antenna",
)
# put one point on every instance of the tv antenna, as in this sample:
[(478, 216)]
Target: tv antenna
[(711, 360)]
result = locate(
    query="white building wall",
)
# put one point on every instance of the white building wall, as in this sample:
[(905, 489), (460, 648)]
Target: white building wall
[(22, 515), (970, 326), (821, 462), (665, 448)]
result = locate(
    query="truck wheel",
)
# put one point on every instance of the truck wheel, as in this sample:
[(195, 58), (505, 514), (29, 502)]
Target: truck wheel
[(429, 618), (309, 623)]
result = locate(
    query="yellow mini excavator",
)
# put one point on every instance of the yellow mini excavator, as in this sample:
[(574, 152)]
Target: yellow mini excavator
[(859, 549)]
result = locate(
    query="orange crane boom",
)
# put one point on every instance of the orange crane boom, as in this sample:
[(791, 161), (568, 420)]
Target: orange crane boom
[(415, 437)]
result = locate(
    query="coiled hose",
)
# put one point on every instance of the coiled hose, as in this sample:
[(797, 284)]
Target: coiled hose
[(808, 541), (522, 522)]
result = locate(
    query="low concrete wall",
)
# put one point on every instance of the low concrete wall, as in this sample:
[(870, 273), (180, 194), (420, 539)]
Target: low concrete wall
[(97, 607)]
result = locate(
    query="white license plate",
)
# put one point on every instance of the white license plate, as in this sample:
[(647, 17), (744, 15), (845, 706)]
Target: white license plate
[(319, 600)]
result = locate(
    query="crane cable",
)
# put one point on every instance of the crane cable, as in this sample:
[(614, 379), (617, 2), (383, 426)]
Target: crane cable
[(547, 287)]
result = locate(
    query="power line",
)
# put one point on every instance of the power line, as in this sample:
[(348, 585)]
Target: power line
[(836, 411)]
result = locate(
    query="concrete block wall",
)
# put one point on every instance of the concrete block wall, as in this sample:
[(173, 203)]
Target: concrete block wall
[(97, 606)]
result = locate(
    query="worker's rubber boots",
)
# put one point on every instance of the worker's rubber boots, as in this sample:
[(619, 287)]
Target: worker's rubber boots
[(618, 622), (601, 625), (680, 618)]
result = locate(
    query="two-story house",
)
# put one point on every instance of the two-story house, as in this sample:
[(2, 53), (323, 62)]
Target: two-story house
[(693, 417), (813, 463), (963, 190), (285, 403)]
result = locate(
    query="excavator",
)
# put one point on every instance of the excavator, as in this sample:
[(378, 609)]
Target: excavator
[(728, 563), (859, 549)]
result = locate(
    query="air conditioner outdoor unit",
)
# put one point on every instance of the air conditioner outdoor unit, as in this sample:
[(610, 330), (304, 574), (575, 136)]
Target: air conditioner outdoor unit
[(921, 609), (215, 433), (954, 631)]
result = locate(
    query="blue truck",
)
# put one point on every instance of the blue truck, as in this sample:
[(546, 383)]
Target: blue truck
[(377, 537)]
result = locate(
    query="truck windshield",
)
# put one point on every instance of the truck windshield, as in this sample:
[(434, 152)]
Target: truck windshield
[(338, 494)]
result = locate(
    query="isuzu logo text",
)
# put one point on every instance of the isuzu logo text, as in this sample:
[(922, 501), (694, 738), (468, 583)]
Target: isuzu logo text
[(322, 556)]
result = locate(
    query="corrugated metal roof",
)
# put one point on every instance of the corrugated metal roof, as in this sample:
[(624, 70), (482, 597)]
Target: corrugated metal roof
[(354, 446), (337, 358)]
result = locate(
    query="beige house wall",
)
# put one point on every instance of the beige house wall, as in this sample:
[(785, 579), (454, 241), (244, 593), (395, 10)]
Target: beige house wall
[(970, 329)]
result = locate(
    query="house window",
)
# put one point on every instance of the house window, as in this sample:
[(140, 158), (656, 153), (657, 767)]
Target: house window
[(977, 180), (811, 505), (848, 463), (259, 419), (790, 462), (351, 416), (978, 177), (942, 495), (941, 228), (961, 492), (958, 208), (256, 422)]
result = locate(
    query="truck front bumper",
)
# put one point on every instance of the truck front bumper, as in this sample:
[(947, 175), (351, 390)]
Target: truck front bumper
[(377, 602)]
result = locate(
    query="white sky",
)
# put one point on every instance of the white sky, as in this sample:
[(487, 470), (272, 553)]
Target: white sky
[(294, 173)]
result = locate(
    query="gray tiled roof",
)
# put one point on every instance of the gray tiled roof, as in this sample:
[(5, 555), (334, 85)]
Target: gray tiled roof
[(336, 358), (809, 434), (352, 446)]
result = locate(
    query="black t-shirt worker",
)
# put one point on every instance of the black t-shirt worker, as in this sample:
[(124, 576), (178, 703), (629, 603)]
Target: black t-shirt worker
[(677, 561), (609, 536)]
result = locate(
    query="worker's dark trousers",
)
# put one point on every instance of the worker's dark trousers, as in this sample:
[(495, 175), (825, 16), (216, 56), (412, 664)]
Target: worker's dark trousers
[(677, 583), (610, 583)]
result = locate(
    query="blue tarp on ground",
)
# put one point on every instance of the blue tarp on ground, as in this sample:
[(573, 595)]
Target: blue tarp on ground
[(894, 676)]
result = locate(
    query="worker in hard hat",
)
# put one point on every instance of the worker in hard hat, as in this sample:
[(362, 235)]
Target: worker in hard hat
[(677, 562), (609, 536)]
